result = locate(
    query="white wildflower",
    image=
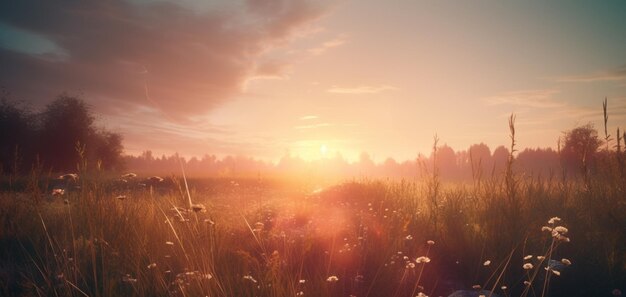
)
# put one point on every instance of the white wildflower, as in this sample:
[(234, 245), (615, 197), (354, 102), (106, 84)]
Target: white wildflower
[(566, 262), (527, 266), (553, 220)]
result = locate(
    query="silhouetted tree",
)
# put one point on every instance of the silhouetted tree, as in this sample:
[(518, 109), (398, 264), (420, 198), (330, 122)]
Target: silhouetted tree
[(580, 147), (54, 137), (500, 158), (15, 135), (66, 124), (481, 158)]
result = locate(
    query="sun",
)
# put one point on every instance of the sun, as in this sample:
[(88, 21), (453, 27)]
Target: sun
[(323, 150)]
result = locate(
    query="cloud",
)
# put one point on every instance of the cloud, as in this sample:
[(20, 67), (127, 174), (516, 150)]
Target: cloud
[(309, 117), (361, 89), (313, 126), (527, 98), (614, 74), (327, 45), (189, 61)]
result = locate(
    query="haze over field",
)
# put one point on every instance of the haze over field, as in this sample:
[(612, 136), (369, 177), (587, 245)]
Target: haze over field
[(317, 78)]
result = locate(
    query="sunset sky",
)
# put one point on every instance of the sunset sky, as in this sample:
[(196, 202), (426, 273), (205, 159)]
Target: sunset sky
[(263, 78)]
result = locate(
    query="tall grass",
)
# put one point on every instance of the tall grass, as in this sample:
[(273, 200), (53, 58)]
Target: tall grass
[(499, 235)]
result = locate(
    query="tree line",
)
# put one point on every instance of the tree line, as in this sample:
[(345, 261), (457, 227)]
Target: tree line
[(63, 137), (60, 137), (581, 152)]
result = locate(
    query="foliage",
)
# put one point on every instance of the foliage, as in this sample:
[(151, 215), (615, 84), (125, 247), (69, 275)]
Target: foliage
[(59, 137)]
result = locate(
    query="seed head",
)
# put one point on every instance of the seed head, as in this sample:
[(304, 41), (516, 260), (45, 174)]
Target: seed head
[(553, 220), (566, 262), (527, 266)]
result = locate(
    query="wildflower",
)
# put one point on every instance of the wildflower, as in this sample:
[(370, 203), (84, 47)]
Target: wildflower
[(58, 192), (430, 242), (409, 237), (560, 230), (302, 281), (300, 293), (540, 258), (476, 287), (553, 220), (332, 279), (503, 288), (420, 294), (527, 266), (487, 263), (410, 265), (198, 207), (528, 257), (482, 295), (69, 177), (422, 259), (128, 279), (562, 238), (129, 175), (154, 179), (169, 243), (250, 278), (566, 262), (152, 265), (207, 276), (556, 272), (121, 197), (546, 229), (527, 283)]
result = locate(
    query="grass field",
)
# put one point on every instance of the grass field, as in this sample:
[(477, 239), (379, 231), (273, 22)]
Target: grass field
[(256, 237)]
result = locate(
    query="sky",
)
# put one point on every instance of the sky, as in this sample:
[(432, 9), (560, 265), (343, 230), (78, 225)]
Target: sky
[(266, 78)]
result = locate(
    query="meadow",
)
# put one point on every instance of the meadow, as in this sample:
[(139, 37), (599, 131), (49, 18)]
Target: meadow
[(507, 235)]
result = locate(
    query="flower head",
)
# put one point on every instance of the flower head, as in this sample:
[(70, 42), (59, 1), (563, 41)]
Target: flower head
[(553, 220), (527, 266)]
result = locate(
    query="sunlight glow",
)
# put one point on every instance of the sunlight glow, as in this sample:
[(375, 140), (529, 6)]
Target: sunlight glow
[(323, 150)]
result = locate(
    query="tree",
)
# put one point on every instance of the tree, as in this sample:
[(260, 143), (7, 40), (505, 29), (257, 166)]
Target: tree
[(54, 137), (16, 134), (580, 147), (66, 125), (481, 158)]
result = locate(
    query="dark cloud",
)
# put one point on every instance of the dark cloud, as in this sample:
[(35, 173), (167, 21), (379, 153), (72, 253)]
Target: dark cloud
[(190, 61)]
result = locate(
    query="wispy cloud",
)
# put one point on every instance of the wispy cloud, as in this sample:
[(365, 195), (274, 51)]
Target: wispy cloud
[(312, 126), (614, 74), (309, 117), (361, 89), (527, 98), (328, 45)]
